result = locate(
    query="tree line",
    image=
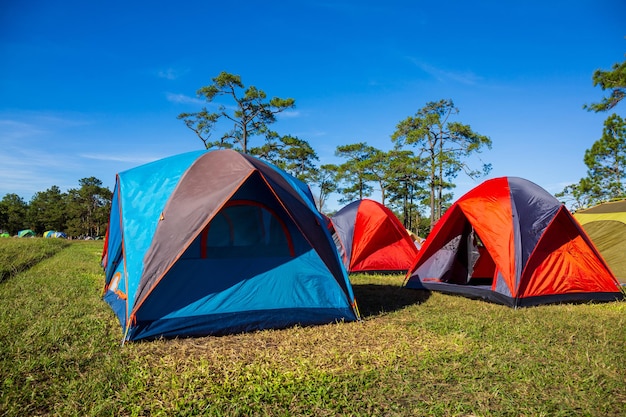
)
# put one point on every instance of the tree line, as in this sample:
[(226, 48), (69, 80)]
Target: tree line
[(79, 212), (415, 178)]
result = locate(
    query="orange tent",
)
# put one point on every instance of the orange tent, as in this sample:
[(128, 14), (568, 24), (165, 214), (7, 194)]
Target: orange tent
[(511, 242), (370, 238)]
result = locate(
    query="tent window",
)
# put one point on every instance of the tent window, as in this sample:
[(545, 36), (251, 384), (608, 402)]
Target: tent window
[(246, 229)]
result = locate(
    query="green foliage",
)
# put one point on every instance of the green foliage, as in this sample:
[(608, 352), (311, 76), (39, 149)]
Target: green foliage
[(606, 160), (406, 176), (575, 196), (606, 168), (293, 155), (251, 117), (253, 113), (325, 179), (13, 211), (79, 212), (414, 353), (203, 123), (443, 146), (380, 171), (88, 208), (613, 80), (355, 174), (47, 210)]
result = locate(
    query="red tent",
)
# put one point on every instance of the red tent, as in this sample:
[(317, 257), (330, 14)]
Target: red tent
[(370, 238), (511, 242)]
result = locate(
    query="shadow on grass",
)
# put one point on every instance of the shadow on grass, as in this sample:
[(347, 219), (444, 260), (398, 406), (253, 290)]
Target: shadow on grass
[(375, 299)]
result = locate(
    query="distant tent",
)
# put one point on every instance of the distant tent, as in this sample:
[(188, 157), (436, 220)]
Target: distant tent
[(5, 234), (370, 238), (606, 226), (511, 242), (218, 242), (53, 234), (25, 233)]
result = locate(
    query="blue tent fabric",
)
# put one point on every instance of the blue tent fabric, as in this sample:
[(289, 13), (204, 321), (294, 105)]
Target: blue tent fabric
[(217, 242), (54, 234)]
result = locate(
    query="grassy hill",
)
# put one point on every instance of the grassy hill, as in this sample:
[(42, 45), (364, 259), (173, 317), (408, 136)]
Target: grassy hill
[(413, 354)]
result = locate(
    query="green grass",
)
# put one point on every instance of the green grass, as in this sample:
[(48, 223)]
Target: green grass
[(17, 255), (413, 354)]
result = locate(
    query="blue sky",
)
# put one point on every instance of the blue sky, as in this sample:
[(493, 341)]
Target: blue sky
[(94, 88)]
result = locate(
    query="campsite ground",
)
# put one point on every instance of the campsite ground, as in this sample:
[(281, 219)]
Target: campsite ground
[(414, 353)]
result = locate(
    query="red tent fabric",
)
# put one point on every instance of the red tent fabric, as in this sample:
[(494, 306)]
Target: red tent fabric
[(370, 238), (511, 242)]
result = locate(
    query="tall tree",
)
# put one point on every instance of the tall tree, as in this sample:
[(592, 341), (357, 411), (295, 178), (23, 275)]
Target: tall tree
[(613, 80), (405, 189), (325, 180), (379, 170), (252, 114), (355, 173), (13, 211), (88, 208), (291, 154), (606, 160), (46, 210), (444, 145), (606, 168)]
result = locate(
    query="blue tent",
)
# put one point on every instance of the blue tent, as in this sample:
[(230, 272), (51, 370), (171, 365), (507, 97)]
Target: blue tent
[(54, 234), (218, 242)]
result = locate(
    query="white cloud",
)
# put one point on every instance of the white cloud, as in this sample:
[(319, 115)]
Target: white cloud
[(183, 99), (443, 75), (171, 73), (13, 129), (27, 171), (289, 114), (132, 159), (37, 151)]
